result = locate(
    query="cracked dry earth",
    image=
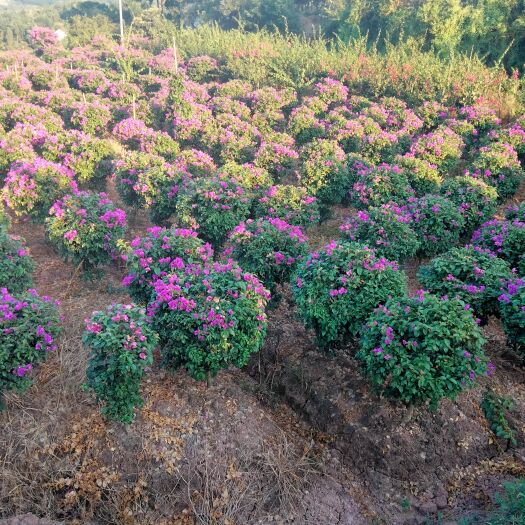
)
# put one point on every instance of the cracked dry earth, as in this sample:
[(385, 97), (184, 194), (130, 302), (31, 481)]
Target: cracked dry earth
[(298, 438)]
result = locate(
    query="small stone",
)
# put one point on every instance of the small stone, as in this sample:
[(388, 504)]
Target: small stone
[(429, 507)]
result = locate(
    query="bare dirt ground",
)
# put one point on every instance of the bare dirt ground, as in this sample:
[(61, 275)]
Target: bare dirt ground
[(297, 438)]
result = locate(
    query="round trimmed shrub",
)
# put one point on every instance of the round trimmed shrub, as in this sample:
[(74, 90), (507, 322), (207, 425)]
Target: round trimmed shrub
[(323, 172), (148, 181), (152, 257), (16, 265), (90, 159), (515, 212), (386, 229), (470, 274), (506, 239), (443, 148), (214, 206), (373, 186), (84, 228), (497, 164), (30, 325), (477, 201), (209, 317), (269, 248), (32, 187), (512, 310), (337, 288), (422, 176), (422, 349), (122, 343), (290, 203), (437, 222)]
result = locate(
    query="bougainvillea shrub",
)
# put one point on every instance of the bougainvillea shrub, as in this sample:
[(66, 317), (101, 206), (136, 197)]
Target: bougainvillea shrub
[(497, 164), (32, 187), (29, 325), (422, 176), (506, 238), (336, 288), (16, 265), (85, 227), (324, 172), (213, 207), (475, 199), (512, 310), (153, 256), (422, 349), (386, 228), (269, 248), (442, 148), (437, 222), (209, 317), (471, 274), (121, 343), (373, 186), (290, 203)]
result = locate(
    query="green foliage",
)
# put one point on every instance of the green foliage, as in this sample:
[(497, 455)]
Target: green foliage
[(216, 321), (497, 164), (30, 325), (16, 265), (289, 203), (512, 310), (324, 173), (386, 229), (475, 199), (151, 257), (422, 176), (423, 348), (377, 185), (495, 409), (214, 206), (508, 508), (437, 222), (337, 288), (470, 274), (85, 228), (122, 343), (269, 248)]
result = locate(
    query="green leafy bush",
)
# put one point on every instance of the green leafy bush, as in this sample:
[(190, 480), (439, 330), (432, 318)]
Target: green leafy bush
[(386, 229), (509, 507), (422, 176), (336, 289), (512, 310), (470, 274), (32, 187), (30, 325), (209, 317), (16, 265), (85, 227), (269, 248), (214, 206), (497, 164), (421, 349), (324, 172), (476, 200), (376, 185), (153, 256), (290, 203), (122, 343), (495, 409), (506, 238), (437, 222)]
